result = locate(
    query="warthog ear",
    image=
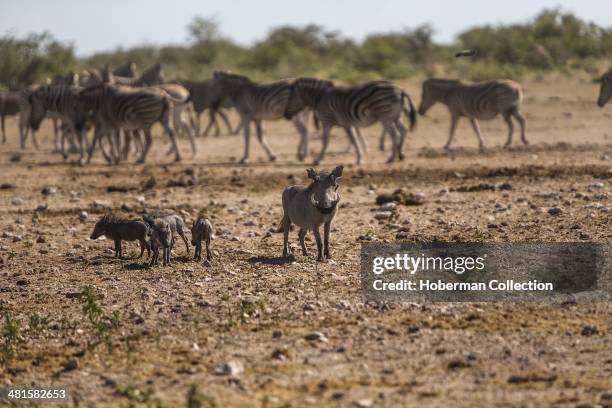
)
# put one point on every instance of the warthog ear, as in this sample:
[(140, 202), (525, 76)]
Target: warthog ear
[(312, 174), (337, 172)]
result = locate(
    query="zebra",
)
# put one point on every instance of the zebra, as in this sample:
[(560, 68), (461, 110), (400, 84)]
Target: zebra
[(605, 91), (178, 95), (69, 79), (10, 105), (61, 100), (482, 101), (127, 70), (354, 107), (182, 99), (122, 107), (258, 102), (209, 95), (151, 76)]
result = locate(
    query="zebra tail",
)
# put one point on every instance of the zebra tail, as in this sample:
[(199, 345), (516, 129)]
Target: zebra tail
[(410, 114)]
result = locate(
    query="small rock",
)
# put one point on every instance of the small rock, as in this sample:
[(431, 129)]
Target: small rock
[(387, 207), (136, 318), (382, 215), (207, 263), (7, 186), (71, 364), (316, 336), (364, 403), (40, 240), (232, 368), (140, 200), (83, 215), (554, 211), (22, 282), (588, 331), (49, 191), (16, 201)]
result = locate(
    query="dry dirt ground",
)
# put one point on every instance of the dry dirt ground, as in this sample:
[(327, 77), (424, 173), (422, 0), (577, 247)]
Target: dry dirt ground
[(144, 335)]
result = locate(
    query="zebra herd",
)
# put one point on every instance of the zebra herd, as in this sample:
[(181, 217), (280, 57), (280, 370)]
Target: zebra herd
[(117, 101)]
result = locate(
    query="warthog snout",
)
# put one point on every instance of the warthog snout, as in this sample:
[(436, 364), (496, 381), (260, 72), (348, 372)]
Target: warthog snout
[(324, 190)]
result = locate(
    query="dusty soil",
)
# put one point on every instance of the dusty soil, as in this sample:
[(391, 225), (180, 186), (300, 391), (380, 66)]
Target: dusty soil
[(176, 325)]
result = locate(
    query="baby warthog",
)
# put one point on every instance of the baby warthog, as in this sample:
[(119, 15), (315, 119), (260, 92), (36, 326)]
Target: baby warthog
[(309, 207), (161, 237), (122, 229), (176, 225), (201, 230)]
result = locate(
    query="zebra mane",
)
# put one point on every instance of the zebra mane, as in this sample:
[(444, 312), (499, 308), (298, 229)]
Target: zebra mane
[(231, 76), (439, 81)]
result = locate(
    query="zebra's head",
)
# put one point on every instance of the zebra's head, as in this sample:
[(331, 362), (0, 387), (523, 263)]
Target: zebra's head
[(435, 90), (37, 109), (230, 83), (605, 92)]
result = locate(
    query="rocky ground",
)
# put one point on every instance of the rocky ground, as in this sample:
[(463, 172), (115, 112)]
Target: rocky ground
[(255, 329)]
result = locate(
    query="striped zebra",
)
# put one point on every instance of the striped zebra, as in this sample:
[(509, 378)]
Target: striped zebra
[(482, 101), (118, 107), (62, 101), (605, 91), (354, 107), (10, 105), (182, 99), (127, 70), (209, 95), (151, 76), (257, 102)]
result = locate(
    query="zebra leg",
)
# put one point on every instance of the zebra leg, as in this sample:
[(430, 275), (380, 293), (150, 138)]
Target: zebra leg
[(246, 122), (403, 132), (362, 140), (262, 140), (390, 128), (217, 128), (226, 121), (211, 119), (56, 136), (172, 136), (303, 131), (326, 129), (451, 135), (508, 120), (476, 127), (521, 121), (148, 140), (197, 123), (127, 136), (3, 130), (350, 132), (94, 142)]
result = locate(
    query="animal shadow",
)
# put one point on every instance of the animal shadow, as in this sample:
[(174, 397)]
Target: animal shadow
[(271, 260)]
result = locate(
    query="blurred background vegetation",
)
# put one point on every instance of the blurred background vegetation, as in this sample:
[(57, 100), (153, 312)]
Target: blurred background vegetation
[(553, 40)]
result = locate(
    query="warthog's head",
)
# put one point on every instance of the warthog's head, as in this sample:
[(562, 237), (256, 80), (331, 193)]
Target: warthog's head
[(161, 234), (605, 92), (99, 229), (323, 191)]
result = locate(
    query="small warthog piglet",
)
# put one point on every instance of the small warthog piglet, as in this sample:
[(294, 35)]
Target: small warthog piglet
[(161, 237), (176, 225), (201, 230), (309, 207), (122, 229)]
